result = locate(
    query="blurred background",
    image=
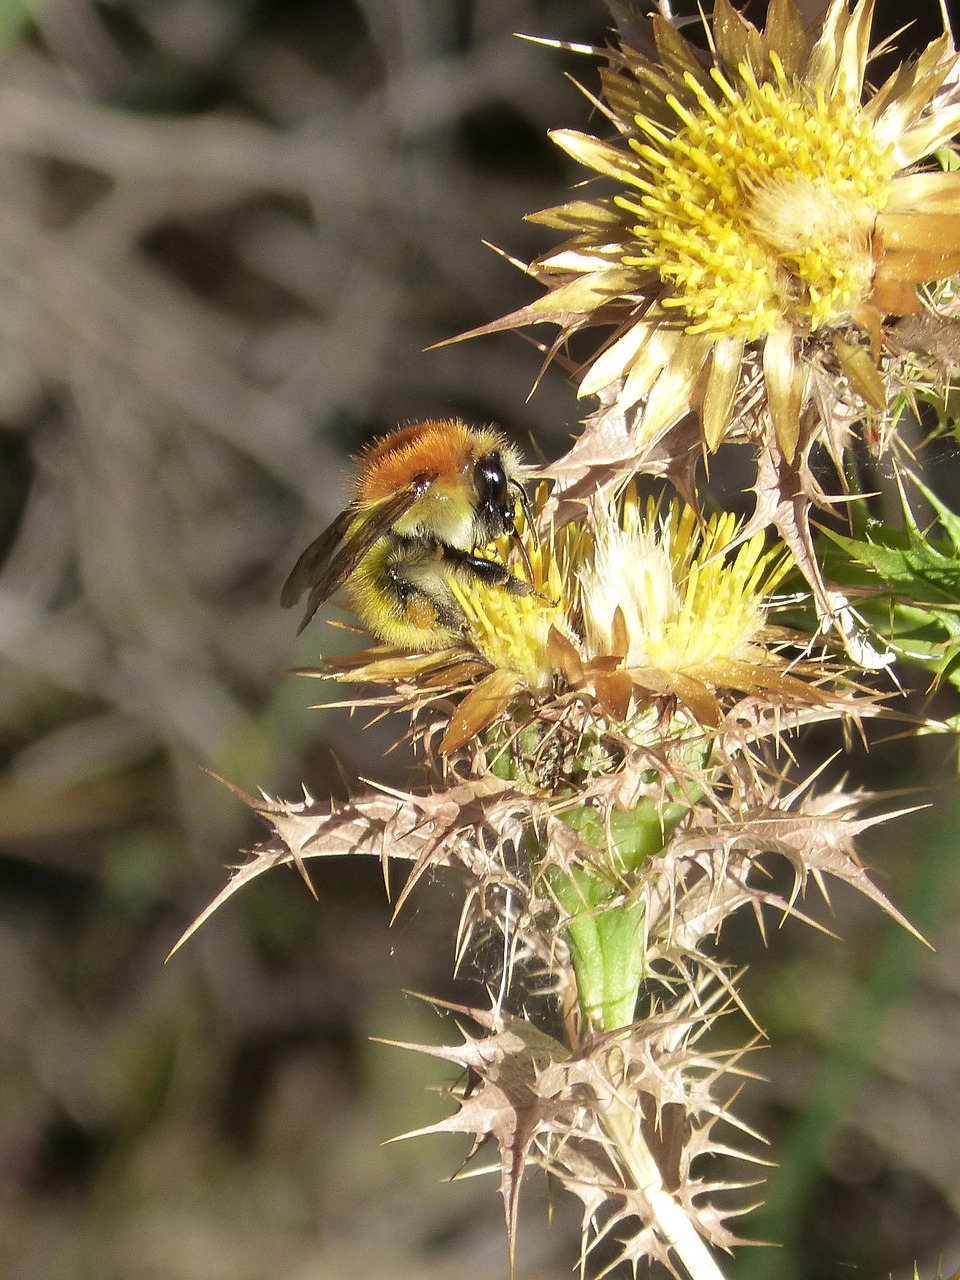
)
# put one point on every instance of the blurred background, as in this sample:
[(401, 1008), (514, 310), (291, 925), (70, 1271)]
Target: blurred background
[(228, 231)]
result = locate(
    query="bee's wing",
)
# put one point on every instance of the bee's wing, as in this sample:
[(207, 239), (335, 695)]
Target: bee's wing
[(330, 559)]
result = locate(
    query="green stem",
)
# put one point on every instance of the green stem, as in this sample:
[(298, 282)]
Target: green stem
[(605, 933)]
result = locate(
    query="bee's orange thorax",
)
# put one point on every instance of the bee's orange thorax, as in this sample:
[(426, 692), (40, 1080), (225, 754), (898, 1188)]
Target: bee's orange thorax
[(447, 450)]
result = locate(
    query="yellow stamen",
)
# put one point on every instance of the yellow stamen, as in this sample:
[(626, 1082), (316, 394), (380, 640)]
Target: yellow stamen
[(760, 208)]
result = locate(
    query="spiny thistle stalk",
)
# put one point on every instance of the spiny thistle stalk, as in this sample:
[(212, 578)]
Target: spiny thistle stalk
[(606, 737), (607, 783)]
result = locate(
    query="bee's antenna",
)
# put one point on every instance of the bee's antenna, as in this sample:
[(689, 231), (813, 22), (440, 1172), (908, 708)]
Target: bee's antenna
[(525, 507), (524, 555), (528, 521)]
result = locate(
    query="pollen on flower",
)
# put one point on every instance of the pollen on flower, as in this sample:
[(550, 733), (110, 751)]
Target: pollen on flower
[(660, 593), (630, 578), (824, 235), (513, 631), (510, 631), (760, 208)]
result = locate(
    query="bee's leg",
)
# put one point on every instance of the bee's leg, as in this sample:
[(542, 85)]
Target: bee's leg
[(490, 572)]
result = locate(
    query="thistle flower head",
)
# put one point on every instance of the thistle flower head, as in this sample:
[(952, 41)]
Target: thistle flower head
[(635, 608), (635, 588), (769, 215), (758, 208)]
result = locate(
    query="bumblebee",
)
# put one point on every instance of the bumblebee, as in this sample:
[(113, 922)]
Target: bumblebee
[(426, 498)]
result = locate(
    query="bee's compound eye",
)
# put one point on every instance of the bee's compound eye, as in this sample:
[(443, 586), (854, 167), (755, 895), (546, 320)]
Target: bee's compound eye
[(491, 481)]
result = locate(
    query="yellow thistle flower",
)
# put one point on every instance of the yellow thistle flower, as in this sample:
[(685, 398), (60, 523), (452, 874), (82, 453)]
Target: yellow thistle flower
[(682, 607), (513, 632), (771, 215), (647, 605), (633, 604)]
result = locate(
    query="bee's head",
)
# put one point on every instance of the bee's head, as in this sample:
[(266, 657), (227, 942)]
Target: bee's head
[(495, 502)]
